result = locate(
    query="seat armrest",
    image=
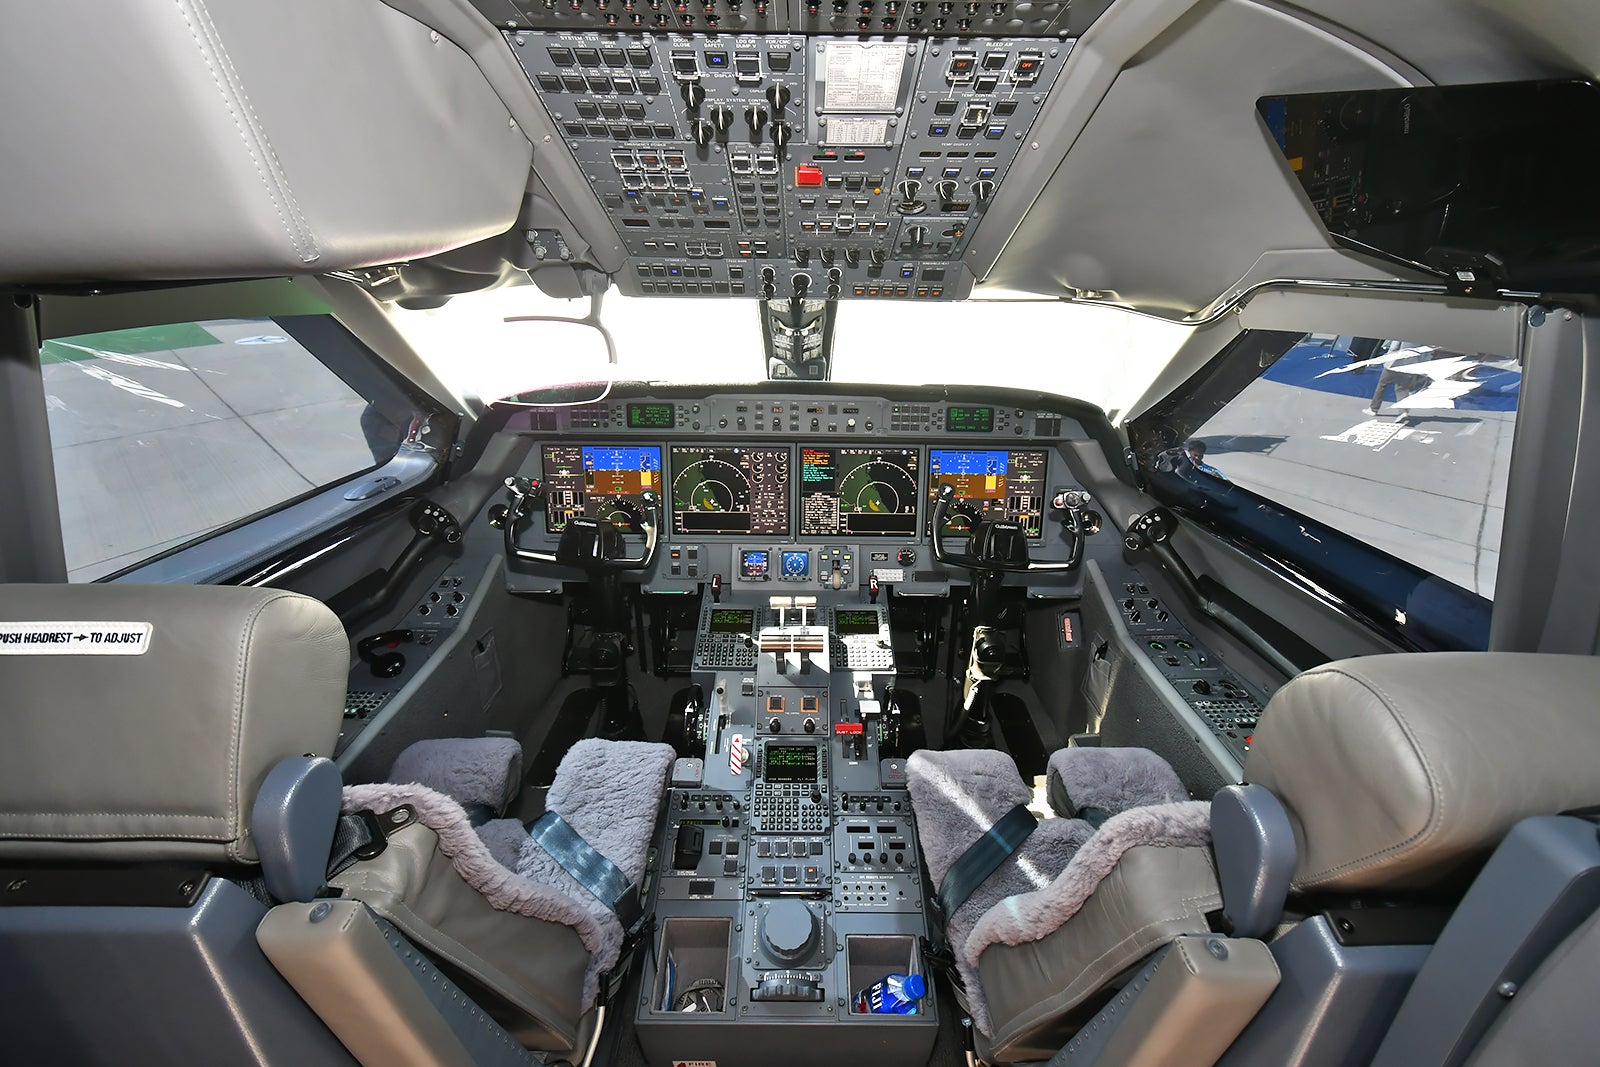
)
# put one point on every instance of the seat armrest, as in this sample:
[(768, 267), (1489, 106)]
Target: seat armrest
[(1255, 851), (293, 822)]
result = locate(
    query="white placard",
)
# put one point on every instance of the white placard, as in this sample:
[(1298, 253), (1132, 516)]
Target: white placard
[(74, 638), (856, 131), (885, 574), (859, 76)]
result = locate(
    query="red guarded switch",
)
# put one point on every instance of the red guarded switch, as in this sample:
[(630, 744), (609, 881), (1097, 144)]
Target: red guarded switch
[(804, 176)]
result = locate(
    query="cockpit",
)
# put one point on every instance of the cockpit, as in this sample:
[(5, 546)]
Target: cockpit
[(718, 533)]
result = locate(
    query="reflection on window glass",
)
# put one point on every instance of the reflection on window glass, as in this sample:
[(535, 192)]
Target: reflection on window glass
[(1400, 444), (165, 433)]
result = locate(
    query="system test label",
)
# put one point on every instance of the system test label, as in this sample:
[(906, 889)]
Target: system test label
[(74, 638)]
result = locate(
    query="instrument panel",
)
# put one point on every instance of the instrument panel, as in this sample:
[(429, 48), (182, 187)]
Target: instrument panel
[(779, 491)]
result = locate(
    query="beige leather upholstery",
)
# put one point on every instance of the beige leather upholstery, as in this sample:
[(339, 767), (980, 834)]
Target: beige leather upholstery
[(1151, 896), (537, 966), (1398, 770), (160, 755), (343, 968), (1194, 1005)]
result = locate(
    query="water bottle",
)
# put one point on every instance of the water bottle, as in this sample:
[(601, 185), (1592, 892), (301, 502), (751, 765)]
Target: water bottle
[(897, 994)]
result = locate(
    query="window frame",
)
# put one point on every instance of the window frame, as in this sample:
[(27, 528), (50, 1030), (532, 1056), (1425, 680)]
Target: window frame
[(232, 550), (1369, 585)]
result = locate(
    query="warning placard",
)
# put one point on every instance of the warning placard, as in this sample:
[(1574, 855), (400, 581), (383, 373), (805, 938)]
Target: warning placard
[(862, 75), (74, 638)]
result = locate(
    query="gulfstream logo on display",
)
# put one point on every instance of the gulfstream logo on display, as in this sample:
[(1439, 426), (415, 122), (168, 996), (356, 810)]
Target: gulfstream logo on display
[(74, 638)]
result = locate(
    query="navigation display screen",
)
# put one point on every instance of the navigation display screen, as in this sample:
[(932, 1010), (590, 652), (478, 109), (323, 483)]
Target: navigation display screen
[(593, 480), (858, 492), (851, 623), (791, 763), (996, 484), (731, 620), (730, 490)]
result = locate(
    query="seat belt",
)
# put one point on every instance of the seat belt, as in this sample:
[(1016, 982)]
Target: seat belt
[(982, 857), (593, 871)]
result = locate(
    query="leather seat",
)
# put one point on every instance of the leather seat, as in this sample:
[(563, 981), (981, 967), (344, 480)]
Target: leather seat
[(179, 784), (153, 769)]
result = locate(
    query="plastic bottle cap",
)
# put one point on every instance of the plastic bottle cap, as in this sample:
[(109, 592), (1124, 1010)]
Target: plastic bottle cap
[(915, 986)]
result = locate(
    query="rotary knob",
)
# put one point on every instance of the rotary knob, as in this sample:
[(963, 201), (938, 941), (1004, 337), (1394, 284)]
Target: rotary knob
[(701, 131), (877, 257), (917, 236), (694, 95), (756, 116), (781, 133), (982, 190), (852, 256), (908, 190), (946, 190), (778, 96), (790, 930), (722, 117)]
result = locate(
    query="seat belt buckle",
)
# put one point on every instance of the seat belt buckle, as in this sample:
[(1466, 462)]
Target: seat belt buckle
[(378, 838)]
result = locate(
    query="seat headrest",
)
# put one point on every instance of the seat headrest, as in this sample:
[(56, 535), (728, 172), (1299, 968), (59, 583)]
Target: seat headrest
[(141, 720), (1397, 771)]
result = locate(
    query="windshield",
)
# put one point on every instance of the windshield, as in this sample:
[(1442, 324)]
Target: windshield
[(1103, 355)]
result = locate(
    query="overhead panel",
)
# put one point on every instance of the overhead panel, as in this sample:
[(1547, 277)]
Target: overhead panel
[(747, 162)]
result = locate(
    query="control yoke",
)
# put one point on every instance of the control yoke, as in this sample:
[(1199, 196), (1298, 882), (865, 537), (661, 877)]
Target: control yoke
[(998, 546), (590, 544)]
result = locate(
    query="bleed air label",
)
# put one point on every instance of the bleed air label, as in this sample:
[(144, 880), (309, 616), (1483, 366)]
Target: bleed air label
[(74, 638)]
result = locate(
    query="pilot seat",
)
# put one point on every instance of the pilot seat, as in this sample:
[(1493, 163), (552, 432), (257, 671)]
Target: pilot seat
[(180, 884)]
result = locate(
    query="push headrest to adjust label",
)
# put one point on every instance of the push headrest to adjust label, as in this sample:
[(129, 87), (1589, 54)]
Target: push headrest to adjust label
[(74, 638)]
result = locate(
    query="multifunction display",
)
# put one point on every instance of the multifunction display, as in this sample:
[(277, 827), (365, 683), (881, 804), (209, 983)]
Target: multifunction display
[(730, 490), (731, 620), (858, 491), (599, 481), (855, 622), (990, 485), (958, 419), (791, 763), (650, 416)]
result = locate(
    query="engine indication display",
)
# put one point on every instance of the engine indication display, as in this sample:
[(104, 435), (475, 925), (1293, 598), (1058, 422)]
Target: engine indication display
[(991, 484), (597, 481), (730, 490), (858, 491)]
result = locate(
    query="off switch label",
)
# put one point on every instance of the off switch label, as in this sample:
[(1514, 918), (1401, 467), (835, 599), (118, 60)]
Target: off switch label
[(74, 638)]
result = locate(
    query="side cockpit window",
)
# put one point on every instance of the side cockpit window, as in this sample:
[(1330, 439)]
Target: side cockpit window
[(164, 434), (1377, 467)]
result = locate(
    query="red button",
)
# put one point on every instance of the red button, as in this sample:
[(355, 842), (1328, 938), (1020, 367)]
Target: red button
[(847, 728), (804, 175)]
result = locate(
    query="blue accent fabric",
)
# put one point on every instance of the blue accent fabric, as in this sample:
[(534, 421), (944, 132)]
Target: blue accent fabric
[(591, 869), (983, 857)]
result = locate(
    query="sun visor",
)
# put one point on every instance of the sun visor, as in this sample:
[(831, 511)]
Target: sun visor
[(161, 140)]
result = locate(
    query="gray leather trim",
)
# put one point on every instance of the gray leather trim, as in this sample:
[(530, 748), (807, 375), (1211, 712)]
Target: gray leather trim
[(1254, 848), (293, 822), (161, 755), (1398, 770), (1150, 897), (538, 966), (327, 136)]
